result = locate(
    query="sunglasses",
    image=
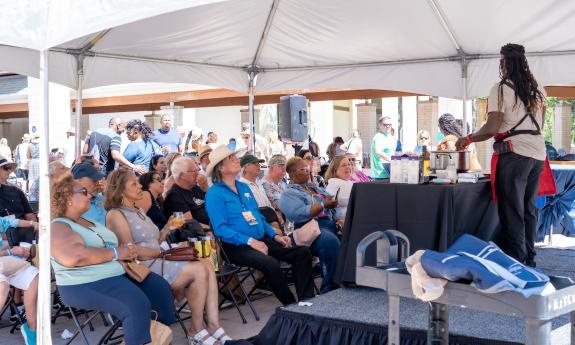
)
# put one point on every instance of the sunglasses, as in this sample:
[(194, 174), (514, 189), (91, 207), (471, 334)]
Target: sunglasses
[(308, 158), (7, 168), (81, 190)]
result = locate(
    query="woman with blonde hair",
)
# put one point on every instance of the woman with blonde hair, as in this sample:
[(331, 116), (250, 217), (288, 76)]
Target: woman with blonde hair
[(338, 177), (194, 280)]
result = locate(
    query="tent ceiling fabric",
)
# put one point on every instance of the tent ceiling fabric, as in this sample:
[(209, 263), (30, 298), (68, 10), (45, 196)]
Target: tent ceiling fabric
[(310, 44)]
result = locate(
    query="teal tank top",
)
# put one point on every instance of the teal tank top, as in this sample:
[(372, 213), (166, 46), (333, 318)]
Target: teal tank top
[(88, 274)]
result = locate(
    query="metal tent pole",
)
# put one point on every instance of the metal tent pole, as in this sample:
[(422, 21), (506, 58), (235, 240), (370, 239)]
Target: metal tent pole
[(464, 63), (252, 74), (79, 98), (44, 336)]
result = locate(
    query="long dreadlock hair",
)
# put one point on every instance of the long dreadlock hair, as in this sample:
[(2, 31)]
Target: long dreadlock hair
[(515, 69)]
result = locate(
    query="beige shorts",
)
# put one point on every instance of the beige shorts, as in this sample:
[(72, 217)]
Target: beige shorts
[(21, 279)]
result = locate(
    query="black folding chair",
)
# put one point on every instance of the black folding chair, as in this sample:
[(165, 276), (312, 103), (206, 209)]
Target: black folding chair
[(17, 315)]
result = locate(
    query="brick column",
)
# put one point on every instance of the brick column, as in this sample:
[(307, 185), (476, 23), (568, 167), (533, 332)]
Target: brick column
[(427, 115), (484, 148), (562, 127)]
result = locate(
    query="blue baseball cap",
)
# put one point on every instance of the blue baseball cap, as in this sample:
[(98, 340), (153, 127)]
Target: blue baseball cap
[(86, 170)]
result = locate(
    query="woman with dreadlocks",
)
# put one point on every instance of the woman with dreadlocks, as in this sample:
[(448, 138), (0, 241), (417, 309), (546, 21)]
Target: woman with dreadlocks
[(516, 110), (452, 129), (142, 148)]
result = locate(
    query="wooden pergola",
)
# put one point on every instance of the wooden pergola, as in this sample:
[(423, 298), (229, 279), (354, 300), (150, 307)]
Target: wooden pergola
[(225, 97)]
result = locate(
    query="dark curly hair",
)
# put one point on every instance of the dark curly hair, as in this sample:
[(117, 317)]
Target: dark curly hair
[(515, 69), (142, 127), (450, 126)]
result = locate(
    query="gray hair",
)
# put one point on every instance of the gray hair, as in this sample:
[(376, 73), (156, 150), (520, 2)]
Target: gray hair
[(180, 165), (53, 167)]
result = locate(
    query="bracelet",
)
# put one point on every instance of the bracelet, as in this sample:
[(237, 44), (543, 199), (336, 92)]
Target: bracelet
[(9, 252), (322, 207), (468, 140), (31, 222), (116, 256)]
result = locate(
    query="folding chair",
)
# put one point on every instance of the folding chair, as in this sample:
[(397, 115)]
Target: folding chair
[(17, 316)]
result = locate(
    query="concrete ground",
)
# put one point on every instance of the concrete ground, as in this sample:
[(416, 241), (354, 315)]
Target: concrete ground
[(230, 320)]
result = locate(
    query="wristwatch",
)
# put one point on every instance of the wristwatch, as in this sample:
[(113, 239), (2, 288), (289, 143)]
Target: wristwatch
[(250, 240)]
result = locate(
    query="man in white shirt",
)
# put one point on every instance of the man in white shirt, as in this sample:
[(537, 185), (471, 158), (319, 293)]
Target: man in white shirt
[(250, 172), (354, 147)]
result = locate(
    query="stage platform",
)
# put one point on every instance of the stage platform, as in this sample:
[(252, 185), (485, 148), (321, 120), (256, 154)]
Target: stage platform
[(359, 316)]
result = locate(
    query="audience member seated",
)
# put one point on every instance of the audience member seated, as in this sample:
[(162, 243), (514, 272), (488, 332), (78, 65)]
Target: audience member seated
[(186, 196), (356, 174), (274, 182), (13, 202), (55, 170), (338, 183), (250, 165), (16, 271), (158, 164), (90, 178), (248, 240), (152, 200), (85, 259), (194, 280), (314, 167), (303, 201), (203, 159), (169, 180)]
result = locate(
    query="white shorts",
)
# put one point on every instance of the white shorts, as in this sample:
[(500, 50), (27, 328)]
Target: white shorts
[(21, 279)]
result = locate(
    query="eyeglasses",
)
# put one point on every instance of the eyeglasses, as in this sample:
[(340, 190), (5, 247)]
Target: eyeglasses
[(310, 158), (423, 138), (193, 171), (81, 190), (387, 125)]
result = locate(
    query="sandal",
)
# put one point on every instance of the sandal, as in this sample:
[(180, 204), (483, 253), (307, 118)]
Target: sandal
[(221, 335), (200, 339)]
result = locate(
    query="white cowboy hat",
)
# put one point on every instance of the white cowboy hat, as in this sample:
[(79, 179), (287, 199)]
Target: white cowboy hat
[(204, 150), (216, 156), (7, 162)]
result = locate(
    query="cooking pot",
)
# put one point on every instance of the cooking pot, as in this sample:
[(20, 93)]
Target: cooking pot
[(439, 160)]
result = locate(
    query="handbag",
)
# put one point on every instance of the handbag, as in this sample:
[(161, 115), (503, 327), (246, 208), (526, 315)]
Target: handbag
[(136, 271), (305, 235), (160, 333), (180, 254)]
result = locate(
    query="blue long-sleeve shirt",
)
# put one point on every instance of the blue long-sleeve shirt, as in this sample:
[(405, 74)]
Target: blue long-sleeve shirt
[(296, 202), (225, 209)]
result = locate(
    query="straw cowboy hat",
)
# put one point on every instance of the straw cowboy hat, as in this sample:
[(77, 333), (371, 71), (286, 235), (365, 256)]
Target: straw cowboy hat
[(7, 162), (204, 150), (219, 154)]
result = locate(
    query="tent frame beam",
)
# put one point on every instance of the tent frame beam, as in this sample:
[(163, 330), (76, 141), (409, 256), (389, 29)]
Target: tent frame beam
[(261, 69)]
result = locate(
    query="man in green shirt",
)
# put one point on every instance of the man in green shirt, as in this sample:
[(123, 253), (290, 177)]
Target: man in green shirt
[(382, 148)]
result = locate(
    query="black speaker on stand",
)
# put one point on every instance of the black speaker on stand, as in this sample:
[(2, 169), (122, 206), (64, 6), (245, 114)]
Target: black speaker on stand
[(293, 114)]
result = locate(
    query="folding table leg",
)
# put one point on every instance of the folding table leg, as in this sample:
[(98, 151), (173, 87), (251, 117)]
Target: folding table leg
[(572, 328), (538, 332), (438, 329), (393, 323)]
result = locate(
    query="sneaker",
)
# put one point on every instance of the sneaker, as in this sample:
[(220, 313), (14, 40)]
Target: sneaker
[(28, 334)]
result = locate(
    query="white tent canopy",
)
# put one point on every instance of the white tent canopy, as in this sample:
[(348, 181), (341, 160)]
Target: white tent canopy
[(414, 46), (439, 47)]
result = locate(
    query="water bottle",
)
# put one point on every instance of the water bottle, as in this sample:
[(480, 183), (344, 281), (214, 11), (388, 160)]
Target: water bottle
[(288, 227)]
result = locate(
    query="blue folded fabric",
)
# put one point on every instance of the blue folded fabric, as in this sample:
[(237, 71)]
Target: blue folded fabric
[(488, 268)]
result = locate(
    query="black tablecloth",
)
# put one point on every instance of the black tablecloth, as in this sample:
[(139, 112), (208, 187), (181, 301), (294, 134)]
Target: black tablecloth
[(431, 216)]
